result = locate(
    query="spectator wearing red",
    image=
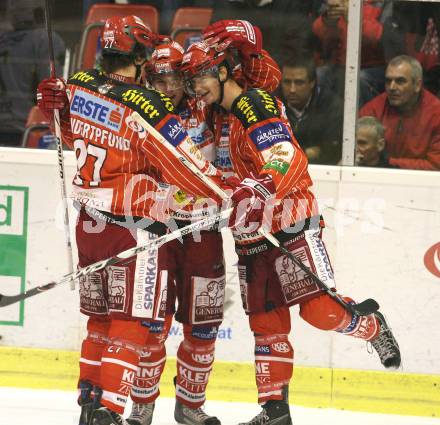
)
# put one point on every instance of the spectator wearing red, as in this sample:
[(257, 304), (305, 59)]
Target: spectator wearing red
[(410, 115), (331, 30)]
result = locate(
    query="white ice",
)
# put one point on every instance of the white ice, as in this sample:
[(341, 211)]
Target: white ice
[(43, 407)]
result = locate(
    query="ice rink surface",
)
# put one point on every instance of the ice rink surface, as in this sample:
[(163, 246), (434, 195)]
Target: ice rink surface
[(41, 407)]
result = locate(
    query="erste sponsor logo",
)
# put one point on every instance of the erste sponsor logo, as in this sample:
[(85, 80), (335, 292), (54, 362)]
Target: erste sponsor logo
[(97, 110)]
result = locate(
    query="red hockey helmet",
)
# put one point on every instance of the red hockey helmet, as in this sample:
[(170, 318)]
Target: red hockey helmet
[(201, 57), (166, 58), (121, 35)]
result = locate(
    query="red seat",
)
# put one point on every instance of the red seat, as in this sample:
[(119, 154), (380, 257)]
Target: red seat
[(98, 13), (189, 21), (37, 126)]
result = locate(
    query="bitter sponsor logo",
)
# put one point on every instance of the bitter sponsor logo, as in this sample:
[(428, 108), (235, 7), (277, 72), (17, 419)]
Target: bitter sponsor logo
[(268, 102), (83, 76), (246, 108), (138, 98)]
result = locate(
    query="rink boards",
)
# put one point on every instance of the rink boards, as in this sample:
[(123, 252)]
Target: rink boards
[(383, 236)]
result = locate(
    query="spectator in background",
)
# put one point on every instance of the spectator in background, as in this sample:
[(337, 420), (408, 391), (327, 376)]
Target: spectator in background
[(331, 30), (314, 112), (370, 143), (24, 60), (410, 115), (271, 16)]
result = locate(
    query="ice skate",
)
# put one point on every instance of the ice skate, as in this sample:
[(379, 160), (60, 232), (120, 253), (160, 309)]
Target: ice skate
[(89, 400), (104, 416), (188, 416), (386, 345), (274, 412), (141, 414)]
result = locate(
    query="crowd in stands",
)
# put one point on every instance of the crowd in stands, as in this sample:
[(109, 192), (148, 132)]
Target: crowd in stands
[(399, 78)]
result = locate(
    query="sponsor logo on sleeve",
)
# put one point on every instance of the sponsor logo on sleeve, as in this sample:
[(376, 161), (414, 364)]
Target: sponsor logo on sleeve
[(268, 102), (277, 165), (269, 134), (246, 108), (173, 131), (97, 110)]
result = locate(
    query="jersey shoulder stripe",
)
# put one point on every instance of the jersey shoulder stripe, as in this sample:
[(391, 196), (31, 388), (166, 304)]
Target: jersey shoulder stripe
[(255, 106)]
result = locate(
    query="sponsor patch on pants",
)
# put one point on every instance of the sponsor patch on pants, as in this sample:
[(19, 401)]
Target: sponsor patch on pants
[(91, 294), (117, 288), (295, 284), (208, 295)]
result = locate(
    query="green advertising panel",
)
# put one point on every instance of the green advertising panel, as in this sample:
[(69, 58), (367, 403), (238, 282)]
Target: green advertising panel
[(13, 239)]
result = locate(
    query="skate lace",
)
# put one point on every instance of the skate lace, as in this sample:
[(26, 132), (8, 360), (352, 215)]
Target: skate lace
[(385, 344), (118, 419), (196, 414), (261, 419), (142, 412)]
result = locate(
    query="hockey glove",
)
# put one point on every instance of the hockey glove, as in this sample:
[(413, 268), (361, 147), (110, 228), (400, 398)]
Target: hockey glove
[(249, 199), (242, 35), (51, 95)]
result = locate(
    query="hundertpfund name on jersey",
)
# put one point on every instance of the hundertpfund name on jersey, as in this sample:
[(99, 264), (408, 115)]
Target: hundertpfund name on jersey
[(13, 237)]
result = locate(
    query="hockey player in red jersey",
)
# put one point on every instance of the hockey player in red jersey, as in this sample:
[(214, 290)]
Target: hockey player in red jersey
[(274, 189), (116, 190), (196, 263)]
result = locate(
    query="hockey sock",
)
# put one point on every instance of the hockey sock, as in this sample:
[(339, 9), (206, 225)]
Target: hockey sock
[(195, 357), (273, 366), (273, 353), (119, 362), (145, 388), (91, 350)]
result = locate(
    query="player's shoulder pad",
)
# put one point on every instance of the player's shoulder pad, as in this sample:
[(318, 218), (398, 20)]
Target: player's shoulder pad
[(150, 104), (254, 106)]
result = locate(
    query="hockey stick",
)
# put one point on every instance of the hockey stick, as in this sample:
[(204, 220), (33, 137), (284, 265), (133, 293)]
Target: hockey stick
[(56, 118), (6, 300), (363, 308)]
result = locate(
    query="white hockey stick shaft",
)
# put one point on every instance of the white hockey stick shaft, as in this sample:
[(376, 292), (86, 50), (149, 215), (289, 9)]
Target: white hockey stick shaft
[(56, 119), (6, 300)]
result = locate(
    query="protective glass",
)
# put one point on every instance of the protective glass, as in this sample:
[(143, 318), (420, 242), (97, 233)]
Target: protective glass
[(167, 82), (199, 79)]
